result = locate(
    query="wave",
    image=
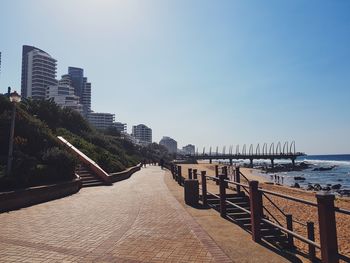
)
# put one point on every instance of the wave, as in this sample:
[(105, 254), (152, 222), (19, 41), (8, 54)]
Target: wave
[(332, 162)]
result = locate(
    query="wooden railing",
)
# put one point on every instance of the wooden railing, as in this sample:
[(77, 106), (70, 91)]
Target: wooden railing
[(325, 209)]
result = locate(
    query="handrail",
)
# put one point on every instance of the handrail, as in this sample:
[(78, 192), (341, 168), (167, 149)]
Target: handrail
[(273, 221), (298, 222), (239, 207), (279, 209), (235, 183), (306, 202), (213, 194), (337, 209), (244, 176), (212, 178), (229, 202), (308, 241), (342, 210), (288, 197), (86, 160), (272, 215)]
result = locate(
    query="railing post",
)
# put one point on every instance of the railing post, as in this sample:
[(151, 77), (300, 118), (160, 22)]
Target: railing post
[(191, 191), (311, 236), (175, 172), (222, 196), (224, 171), (189, 173), (195, 174), (289, 219), (172, 169), (328, 227), (238, 180), (179, 175), (204, 188), (255, 209), (217, 174)]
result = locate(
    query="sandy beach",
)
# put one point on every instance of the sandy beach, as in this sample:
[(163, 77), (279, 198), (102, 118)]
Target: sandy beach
[(301, 213)]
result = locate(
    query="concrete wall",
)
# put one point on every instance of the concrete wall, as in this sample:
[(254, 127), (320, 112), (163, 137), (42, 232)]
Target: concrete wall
[(116, 177), (35, 195)]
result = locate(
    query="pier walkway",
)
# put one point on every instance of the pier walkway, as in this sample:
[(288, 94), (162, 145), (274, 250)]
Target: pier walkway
[(136, 220)]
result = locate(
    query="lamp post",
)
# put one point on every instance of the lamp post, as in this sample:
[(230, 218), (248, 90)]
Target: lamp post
[(14, 98)]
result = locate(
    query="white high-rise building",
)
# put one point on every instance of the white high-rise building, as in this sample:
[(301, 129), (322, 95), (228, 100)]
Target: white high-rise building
[(189, 149), (86, 98), (101, 120), (169, 143), (142, 134), (63, 95), (38, 72), (121, 127)]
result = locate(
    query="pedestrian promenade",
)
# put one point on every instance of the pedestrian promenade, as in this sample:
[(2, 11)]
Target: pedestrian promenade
[(137, 220), (142, 219)]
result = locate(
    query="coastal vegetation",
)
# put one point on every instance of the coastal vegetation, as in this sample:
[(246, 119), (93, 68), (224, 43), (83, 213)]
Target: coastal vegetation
[(39, 157)]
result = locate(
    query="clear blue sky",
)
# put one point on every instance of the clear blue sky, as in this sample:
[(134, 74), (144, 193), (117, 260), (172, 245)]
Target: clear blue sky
[(202, 72)]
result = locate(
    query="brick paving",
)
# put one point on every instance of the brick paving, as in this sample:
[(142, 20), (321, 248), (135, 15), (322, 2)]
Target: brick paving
[(137, 220)]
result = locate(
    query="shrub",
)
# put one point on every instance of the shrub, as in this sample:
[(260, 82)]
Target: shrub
[(60, 165), (23, 168)]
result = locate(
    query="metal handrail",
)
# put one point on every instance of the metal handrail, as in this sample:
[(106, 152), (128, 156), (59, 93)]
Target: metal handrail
[(279, 209), (272, 216), (288, 197), (308, 241), (306, 202), (243, 176), (298, 222), (342, 211)]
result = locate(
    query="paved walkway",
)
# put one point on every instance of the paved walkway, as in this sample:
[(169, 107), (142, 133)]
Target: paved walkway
[(137, 220)]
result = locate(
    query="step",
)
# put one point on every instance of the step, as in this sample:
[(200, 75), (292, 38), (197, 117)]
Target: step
[(92, 184), (269, 231), (243, 204), (262, 226), (233, 209), (85, 172), (242, 220), (280, 240), (88, 177), (238, 214), (91, 181), (238, 198)]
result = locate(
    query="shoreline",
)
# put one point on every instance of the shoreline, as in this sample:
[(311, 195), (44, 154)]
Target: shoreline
[(301, 178), (258, 175)]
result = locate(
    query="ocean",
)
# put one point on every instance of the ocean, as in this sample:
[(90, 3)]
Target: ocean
[(340, 174)]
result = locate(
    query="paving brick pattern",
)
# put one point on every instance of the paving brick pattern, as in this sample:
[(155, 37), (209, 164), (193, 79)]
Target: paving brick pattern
[(137, 220)]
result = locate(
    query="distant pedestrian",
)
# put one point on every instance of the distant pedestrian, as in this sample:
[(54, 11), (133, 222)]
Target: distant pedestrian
[(282, 177), (161, 162)]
